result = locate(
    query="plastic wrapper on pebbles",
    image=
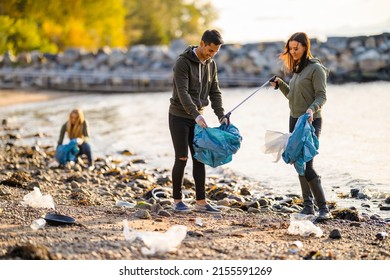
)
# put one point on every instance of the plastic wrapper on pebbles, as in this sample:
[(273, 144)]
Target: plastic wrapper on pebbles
[(156, 242), (35, 199)]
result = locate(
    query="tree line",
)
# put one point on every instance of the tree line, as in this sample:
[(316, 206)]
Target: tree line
[(53, 25)]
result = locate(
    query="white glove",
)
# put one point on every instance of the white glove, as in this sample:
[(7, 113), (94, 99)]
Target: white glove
[(201, 121)]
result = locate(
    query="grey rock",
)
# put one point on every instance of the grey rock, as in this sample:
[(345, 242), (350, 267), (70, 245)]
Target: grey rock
[(75, 185), (338, 43), (156, 208), (335, 234), (355, 224), (8, 59), (164, 213), (34, 184), (245, 191), (253, 210), (151, 201), (223, 202), (264, 202), (286, 209), (354, 192), (195, 233), (236, 198), (381, 235), (70, 56), (371, 61), (375, 217), (117, 56), (142, 214), (253, 204)]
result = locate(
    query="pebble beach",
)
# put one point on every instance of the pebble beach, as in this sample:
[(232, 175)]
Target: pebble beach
[(252, 224)]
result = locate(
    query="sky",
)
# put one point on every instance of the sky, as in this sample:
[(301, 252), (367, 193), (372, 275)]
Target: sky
[(249, 21)]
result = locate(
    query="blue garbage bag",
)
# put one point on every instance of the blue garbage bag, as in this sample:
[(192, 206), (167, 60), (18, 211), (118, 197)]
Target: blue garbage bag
[(302, 146), (68, 152), (216, 146)]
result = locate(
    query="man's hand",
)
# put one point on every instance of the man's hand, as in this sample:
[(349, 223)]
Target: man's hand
[(224, 120), (201, 121), (310, 112)]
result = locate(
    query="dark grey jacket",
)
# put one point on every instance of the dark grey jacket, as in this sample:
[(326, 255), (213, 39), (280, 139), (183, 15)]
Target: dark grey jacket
[(194, 84)]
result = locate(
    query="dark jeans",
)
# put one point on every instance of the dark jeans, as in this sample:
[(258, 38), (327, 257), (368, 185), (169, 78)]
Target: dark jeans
[(182, 133), (85, 149), (310, 173)]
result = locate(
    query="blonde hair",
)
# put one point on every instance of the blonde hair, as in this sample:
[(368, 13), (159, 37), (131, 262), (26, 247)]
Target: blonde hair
[(289, 65), (76, 130)]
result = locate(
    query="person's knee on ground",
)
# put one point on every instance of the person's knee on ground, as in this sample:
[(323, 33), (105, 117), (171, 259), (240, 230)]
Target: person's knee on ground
[(85, 149)]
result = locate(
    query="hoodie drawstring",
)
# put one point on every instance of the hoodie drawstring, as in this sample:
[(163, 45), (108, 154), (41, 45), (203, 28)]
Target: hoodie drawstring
[(200, 83)]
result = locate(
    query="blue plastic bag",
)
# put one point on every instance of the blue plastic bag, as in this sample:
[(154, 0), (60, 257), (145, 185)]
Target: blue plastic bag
[(216, 146), (302, 145), (68, 152)]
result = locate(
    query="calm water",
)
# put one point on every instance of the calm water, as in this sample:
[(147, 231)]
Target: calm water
[(354, 145)]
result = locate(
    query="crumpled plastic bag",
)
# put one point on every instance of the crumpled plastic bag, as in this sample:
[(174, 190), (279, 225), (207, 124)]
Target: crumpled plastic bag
[(275, 143), (157, 242), (303, 225), (302, 145), (215, 146), (35, 199)]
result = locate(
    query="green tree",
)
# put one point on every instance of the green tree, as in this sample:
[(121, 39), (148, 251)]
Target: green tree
[(65, 23), (154, 22), (48, 25)]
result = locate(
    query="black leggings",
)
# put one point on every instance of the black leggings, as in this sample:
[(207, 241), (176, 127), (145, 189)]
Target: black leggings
[(310, 173), (182, 133)]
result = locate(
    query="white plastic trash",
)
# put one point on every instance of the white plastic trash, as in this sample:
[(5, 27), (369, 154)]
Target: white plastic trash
[(35, 199), (199, 222), (157, 242), (303, 225), (296, 246), (275, 143), (37, 224), (123, 203)]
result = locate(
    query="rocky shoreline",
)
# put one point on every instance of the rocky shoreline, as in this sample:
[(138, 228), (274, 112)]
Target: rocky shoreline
[(149, 68), (252, 225)]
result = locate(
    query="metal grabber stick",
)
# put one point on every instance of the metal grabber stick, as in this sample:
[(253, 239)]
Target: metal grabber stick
[(227, 115)]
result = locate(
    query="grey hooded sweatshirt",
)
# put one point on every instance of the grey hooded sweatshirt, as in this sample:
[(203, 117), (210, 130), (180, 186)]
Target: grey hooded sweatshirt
[(194, 84), (307, 89)]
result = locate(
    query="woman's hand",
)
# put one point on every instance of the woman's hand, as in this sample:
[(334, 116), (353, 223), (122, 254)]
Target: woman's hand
[(310, 111), (275, 82)]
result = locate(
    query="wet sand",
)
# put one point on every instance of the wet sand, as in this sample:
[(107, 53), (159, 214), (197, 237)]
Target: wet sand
[(12, 97)]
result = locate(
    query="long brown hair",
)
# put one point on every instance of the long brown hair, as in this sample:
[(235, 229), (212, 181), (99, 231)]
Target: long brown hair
[(289, 65), (76, 130)]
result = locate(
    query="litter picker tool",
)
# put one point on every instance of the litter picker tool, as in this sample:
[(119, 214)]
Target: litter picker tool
[(243, 101)]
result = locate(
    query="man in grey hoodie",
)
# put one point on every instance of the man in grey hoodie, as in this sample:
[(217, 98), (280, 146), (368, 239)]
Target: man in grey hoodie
[(195, 84)]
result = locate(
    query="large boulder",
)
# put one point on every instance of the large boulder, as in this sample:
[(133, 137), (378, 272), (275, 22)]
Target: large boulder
[(70, 56), (371, 61), (117, 57)]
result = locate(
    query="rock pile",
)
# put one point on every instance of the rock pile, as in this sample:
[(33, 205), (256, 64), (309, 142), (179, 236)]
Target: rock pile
[(149, 68)]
